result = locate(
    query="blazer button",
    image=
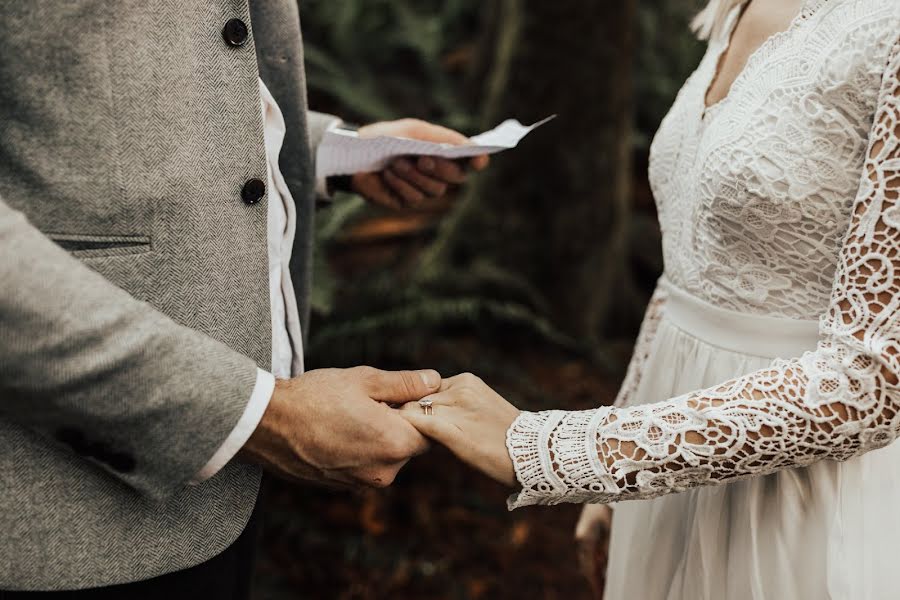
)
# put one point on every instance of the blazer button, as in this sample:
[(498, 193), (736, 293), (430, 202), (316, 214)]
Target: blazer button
[(253, 191), (235, 32)]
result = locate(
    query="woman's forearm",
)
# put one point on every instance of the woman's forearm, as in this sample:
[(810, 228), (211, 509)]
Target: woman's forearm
[(749, 427)]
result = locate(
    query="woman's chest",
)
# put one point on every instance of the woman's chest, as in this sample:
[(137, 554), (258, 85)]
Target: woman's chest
[(794, 122), (759, 21), (766, 178)]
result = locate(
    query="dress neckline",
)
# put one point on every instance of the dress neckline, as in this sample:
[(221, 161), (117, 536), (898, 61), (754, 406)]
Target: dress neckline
[(762, 52)]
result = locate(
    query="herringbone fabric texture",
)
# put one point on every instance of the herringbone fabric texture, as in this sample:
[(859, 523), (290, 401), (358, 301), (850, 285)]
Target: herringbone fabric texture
[(127, 130)]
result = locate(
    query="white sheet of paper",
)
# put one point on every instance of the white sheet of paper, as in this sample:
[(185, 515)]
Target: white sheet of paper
[(345, 153)]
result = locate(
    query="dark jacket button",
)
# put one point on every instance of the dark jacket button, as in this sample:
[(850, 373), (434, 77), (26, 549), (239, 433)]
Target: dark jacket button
[(253, 191), (235, 32)]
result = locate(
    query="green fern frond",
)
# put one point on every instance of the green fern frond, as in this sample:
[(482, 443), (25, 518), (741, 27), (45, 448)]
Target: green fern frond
[(430, 313)]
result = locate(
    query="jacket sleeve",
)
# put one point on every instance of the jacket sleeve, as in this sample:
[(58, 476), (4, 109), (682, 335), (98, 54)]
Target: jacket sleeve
[(89, 367)]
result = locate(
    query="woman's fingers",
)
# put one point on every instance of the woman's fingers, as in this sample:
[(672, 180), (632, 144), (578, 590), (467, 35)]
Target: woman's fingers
[(471, 420), (460, 381), (435, 424), (427, 427)]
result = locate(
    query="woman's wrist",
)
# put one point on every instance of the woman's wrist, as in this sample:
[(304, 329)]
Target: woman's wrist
[(534, 439), (527, 450)]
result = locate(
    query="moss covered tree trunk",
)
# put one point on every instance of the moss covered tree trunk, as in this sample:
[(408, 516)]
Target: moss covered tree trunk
[(553, 213)]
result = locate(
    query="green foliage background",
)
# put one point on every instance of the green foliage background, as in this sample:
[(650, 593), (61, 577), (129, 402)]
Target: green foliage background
[(370, 60)]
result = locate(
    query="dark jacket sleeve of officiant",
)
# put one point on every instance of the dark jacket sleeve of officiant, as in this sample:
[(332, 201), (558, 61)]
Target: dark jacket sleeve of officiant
[(134, 307)]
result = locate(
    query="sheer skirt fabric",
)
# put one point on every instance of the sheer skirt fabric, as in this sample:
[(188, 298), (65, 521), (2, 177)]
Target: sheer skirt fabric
[(806, 533)]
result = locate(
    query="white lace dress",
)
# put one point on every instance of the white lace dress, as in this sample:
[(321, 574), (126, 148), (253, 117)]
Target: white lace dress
[(770, 354)]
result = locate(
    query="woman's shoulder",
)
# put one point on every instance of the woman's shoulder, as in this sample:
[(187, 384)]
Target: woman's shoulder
[(861, 7), (851, 17), (859, 35)]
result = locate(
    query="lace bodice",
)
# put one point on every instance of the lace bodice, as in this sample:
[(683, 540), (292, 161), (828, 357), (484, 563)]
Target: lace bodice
[(782, 199)]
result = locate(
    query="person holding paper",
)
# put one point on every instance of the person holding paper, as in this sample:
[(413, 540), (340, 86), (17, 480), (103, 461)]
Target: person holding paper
[(157, 191), (769, 358), (412, 181)]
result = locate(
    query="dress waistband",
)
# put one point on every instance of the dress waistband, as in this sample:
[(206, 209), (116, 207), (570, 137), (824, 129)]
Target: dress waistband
[(759, 335)]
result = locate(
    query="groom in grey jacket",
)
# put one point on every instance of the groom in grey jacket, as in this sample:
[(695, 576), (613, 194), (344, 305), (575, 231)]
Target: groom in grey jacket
[(157, 191)]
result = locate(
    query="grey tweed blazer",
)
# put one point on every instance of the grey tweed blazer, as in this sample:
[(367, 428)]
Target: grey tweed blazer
[(134, 303)]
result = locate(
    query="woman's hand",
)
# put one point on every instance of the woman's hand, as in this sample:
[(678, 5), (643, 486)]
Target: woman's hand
[(592, 540), (471, 420)]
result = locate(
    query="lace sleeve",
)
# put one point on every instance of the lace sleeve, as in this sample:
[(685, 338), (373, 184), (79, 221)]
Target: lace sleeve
[(839, 401), (642, 347)]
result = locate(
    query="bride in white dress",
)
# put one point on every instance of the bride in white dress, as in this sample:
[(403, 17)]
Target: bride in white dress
[(769, 357)]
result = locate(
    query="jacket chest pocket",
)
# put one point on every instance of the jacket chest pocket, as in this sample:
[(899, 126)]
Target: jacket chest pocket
[(96, 246)]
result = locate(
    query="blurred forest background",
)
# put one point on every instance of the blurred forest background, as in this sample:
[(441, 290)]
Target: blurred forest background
[(535, 276)]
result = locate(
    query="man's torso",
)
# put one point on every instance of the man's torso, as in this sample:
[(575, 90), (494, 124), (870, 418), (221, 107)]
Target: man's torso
[(129, 131)]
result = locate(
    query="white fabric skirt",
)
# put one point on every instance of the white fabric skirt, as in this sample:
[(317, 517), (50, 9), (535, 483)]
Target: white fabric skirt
[(830, 531)]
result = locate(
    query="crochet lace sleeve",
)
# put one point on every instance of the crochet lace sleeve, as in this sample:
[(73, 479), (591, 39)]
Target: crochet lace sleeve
[(833, 403)]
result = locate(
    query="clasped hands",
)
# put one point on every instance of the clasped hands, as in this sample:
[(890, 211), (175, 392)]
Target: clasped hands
[(358, 427)]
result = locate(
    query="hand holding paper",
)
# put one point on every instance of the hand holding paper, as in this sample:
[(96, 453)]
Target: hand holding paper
[(346, 152)]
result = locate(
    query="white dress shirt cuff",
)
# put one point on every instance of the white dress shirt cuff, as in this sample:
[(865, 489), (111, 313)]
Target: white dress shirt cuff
[(322, 181), (246, 425)]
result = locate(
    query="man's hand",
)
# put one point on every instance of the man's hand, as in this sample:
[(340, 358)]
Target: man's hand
[(411, 182), (335, 426)]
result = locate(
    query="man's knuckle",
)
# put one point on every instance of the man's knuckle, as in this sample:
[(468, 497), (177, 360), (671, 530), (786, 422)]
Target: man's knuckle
[(470, 379), (452, 172), (364, 372), (412, 384), (397, 453), (366, 375), (392, 448), (384, 478), (410, 125), (385, 473), (379, 480)]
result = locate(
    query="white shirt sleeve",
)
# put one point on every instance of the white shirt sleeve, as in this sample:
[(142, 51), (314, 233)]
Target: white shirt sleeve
[(246, 425), (321, 180)]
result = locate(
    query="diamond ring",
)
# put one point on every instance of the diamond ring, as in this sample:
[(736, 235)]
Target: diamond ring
[(427, 405)]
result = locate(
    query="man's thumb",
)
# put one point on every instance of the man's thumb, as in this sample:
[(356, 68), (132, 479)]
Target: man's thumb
[(404, 386)]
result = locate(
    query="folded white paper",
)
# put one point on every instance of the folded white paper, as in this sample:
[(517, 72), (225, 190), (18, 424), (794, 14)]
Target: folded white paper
[(344, 152)]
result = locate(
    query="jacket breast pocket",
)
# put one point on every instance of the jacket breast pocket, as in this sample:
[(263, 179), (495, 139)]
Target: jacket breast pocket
[(96, 246)]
